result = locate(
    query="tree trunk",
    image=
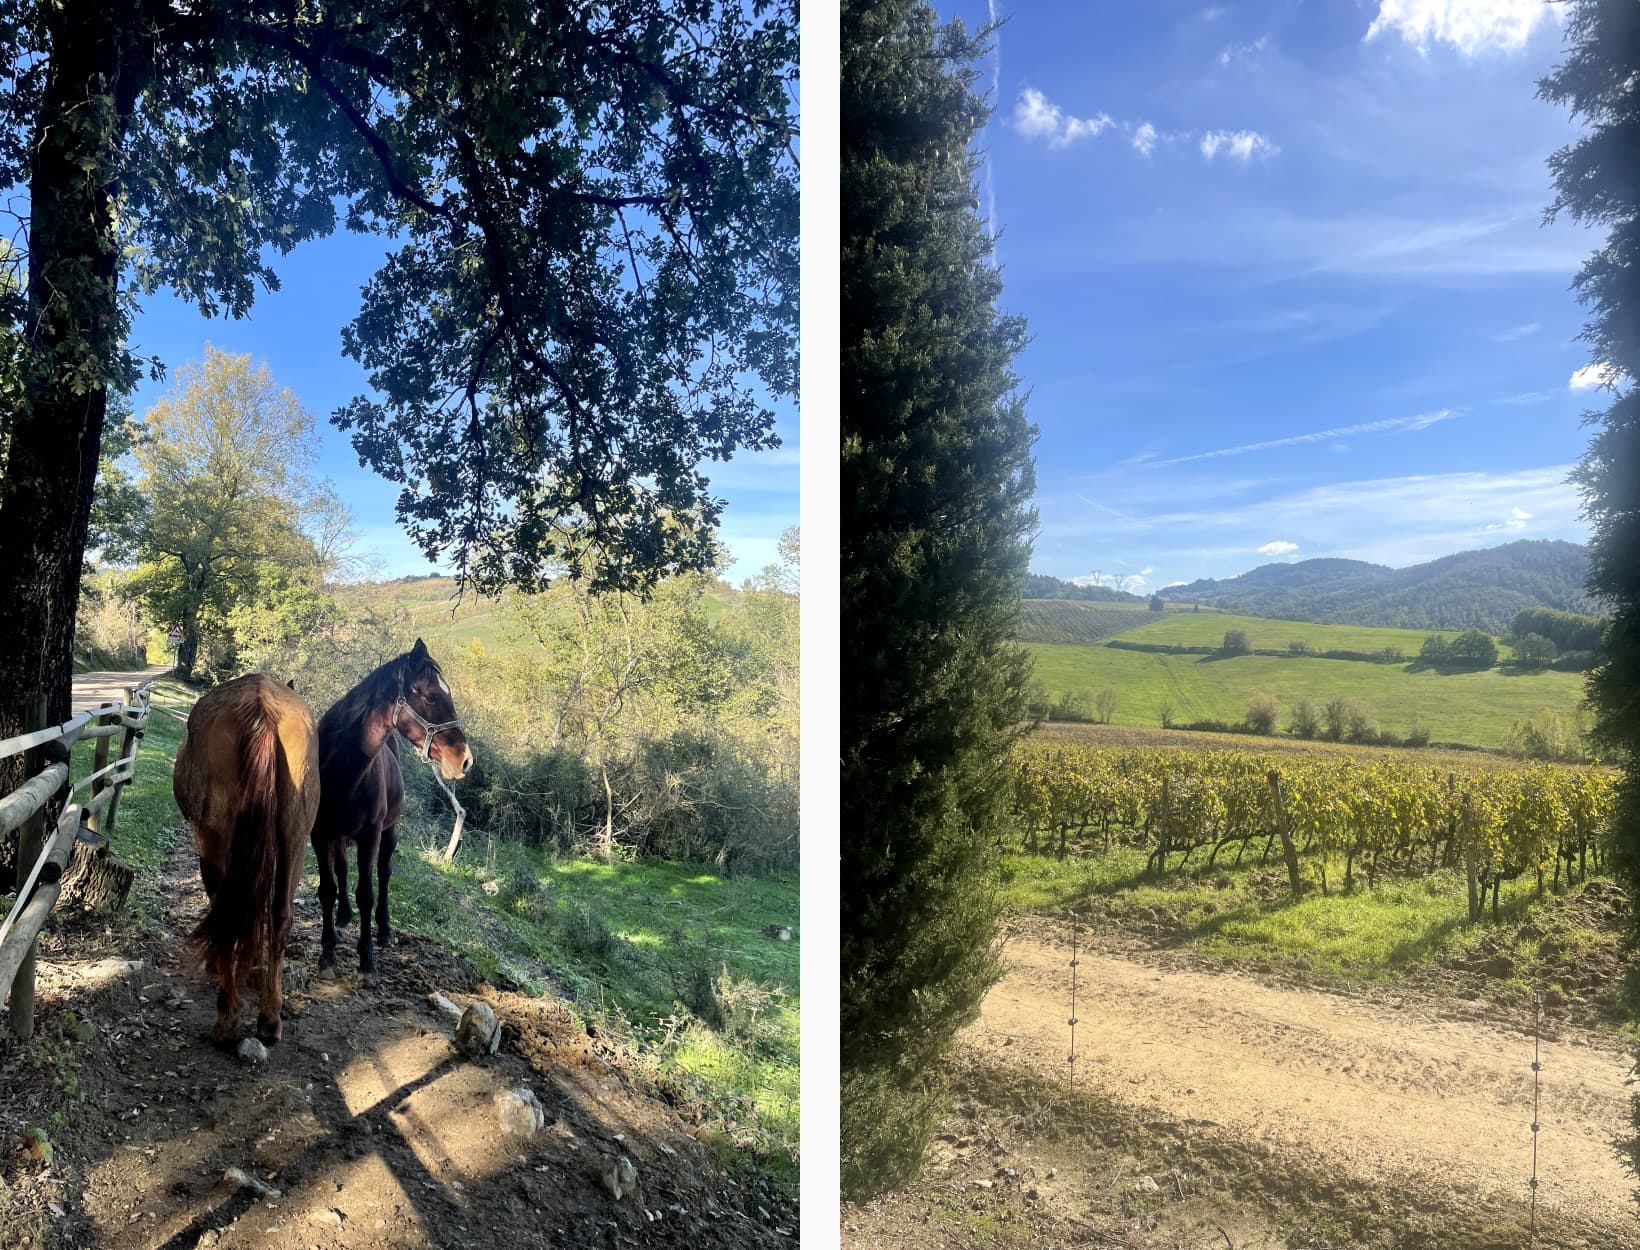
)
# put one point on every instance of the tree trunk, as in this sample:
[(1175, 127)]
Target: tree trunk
[(188, 648), (96, 876), (75, 336)]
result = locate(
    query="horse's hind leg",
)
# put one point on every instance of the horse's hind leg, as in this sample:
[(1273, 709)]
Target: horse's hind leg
[(327, 905), (366, 897), (227, 998), (384, 874), (344, 910)]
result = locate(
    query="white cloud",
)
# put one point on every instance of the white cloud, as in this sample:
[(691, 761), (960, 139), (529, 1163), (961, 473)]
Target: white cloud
[(1144, 138), (1035, 117), (1241, 145), (1470, 26), (1409, 424), (1517, 333), (1601, 373), (1277, 548), (1243, 51), (1520, 514)]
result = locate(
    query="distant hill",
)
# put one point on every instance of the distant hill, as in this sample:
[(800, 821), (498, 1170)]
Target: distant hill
[(1041, 586), (1470, 590)]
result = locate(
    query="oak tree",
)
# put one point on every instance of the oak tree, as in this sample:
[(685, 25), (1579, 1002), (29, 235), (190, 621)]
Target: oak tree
[(589, 216)]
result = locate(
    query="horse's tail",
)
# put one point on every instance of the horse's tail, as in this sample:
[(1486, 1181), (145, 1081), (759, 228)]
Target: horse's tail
[(241, 914)]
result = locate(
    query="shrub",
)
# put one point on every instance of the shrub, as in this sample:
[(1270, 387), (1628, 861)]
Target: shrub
[(1167, 716), (1418, 735), (1300, 648), (1335, 718), (1436, 650), (1390, 655), (1074, 705), (1535, 651), (1263, 713), (1306, 722), (586, 933), (1359, 725), (1104, 704), (1473, 649), (1236, 643)]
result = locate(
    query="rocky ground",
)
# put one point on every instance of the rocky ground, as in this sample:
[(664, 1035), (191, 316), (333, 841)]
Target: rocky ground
[(124, 1129)]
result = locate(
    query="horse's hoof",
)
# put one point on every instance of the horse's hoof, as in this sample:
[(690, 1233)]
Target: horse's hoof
[(384, 939), (270, 1033), (343, 918), (369, 981), (327, 972)]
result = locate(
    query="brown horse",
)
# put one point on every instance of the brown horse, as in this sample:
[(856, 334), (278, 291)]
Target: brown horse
[(362, 789), (247, 780)]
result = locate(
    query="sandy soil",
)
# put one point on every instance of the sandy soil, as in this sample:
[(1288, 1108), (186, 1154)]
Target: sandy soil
[(1376, 1093)]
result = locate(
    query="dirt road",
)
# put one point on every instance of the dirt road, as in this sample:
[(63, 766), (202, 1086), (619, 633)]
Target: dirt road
[(94, 689), (1389, 1097)]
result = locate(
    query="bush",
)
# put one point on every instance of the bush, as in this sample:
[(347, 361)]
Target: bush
[(1167, 716), (1300, 648), (1536, 651), (1263, 713), (1436, 650), (1236, 643), (586, 933), (1390, 655), (1359, 725), (1104, 704), (1473, 649), (1335, 718), (1418, 735), (1306, 722)]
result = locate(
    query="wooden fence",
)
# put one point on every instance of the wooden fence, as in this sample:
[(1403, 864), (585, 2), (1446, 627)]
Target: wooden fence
[(74, 859)]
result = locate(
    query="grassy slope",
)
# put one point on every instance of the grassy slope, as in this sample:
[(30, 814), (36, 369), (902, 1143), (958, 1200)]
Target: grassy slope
[(665, 921), (1476, 708), (1192, 630)]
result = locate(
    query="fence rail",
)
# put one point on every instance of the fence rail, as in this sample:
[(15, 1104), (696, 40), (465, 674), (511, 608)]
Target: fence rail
[(82, 824)]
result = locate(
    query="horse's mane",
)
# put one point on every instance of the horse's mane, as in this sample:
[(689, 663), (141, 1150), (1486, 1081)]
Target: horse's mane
[(377, 687)]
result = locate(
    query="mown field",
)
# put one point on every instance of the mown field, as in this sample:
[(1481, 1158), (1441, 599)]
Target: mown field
[(1192, 630), (1476, 708)]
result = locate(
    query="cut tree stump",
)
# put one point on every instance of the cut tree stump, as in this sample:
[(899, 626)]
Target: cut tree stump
[(96, 876)]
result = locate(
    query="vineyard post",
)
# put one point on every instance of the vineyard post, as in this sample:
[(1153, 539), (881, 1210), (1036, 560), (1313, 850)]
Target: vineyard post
[(1164, 843), (1469, 868), (1288, 851)]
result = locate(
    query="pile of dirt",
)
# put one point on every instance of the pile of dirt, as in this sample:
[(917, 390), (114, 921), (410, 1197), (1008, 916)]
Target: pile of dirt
[(364, 1127)]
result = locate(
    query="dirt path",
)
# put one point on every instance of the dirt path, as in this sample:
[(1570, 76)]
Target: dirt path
[(367, 1127), (93, 689), (1437, 1110)]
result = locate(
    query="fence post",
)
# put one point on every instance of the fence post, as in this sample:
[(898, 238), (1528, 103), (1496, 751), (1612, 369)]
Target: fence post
[(97, 765), (1288, 851), (30, 840), (129, 742)]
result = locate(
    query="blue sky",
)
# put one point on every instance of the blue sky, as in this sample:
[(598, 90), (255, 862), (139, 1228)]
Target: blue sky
[(1287, 283), (297, 331)]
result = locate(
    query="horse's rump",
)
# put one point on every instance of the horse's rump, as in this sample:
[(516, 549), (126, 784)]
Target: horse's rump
[(237, 812)]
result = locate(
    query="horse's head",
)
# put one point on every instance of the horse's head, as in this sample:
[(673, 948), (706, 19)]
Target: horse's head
[(426, 714)]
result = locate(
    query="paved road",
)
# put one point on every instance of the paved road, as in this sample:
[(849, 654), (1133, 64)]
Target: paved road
[(93, 689)]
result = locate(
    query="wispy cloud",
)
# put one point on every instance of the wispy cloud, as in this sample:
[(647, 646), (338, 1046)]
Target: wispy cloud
[(1277, 548), (1036, 117), (1408, 424), (1516, 333), (1241, 145), (1243, 52), (1601, 373), (1472, 27), (1039, 119)]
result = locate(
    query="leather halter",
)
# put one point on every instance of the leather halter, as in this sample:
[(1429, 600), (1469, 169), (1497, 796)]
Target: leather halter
[(428, 729)]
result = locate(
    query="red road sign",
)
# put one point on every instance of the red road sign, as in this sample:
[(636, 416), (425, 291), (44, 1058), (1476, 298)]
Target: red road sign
[(175, 635)]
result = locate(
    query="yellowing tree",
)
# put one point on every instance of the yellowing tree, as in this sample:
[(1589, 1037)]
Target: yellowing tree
[(225, 467)]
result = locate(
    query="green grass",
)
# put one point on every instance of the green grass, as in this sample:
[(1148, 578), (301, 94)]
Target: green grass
[(1469, 707), (664, 921), (1190, 630), (1243, 916), (665, 924)]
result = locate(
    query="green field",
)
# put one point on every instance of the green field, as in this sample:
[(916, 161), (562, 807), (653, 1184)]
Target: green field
[(1474, 707), (1192, 630)]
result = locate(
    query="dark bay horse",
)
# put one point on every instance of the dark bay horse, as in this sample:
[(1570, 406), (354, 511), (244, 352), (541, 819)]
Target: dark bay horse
[(362, 790), (247, 780)]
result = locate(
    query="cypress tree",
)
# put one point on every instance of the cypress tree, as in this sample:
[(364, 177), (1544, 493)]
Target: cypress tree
[(935, 532), (1597, 182)]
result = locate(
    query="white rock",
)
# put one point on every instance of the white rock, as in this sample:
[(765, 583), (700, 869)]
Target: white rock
[(521, 1115), (479, 1032), (252, 1051)]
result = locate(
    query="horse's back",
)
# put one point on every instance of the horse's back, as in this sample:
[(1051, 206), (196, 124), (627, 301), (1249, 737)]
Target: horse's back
[(209, 761)]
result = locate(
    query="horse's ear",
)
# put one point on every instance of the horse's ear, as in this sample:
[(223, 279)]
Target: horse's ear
[(291, 683), (419, 651)]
